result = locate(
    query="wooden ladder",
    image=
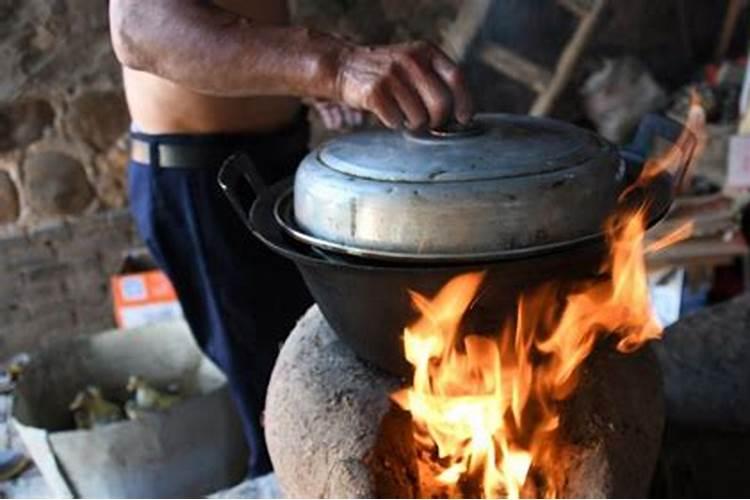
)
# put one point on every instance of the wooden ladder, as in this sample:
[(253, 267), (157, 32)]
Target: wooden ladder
[(548, 85)]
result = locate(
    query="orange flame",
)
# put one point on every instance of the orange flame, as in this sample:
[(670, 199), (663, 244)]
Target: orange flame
[(487, 406)]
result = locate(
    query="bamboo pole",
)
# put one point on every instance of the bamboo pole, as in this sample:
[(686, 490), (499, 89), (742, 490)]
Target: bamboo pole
[(568, 60)]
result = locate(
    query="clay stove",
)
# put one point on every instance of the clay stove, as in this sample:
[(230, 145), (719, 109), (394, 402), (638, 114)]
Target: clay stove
[(333, 430)]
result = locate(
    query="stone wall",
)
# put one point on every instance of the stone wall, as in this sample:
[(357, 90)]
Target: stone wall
[(63, 222), (62, 113), (54, 278)]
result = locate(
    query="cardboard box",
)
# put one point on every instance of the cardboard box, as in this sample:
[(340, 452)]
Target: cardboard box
[(142, 294), (195, 448)]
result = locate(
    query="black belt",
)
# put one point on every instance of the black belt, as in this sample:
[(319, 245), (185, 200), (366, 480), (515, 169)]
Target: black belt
[(179, 155)]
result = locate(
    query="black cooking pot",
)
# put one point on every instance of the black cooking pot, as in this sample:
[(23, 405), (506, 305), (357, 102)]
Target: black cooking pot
[(365, 300)]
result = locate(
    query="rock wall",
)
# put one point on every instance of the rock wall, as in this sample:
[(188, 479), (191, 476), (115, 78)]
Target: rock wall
[(54, 278), (63, 222), (62, 113)]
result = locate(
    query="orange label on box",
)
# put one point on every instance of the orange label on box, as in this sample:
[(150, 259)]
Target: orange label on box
[(142, 298)]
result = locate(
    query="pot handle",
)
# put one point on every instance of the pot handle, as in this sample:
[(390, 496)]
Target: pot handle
[(239, 170), (652, 126)]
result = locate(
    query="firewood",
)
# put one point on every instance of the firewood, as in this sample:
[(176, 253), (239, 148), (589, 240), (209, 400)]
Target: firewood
[(513, 66), (459, 35), (568, 60)]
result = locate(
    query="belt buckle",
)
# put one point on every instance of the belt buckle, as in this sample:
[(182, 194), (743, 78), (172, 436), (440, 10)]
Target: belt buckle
[(140, 151)]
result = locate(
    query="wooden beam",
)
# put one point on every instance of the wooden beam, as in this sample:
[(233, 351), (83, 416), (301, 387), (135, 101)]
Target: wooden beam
[(516, 67), (577, 7), (734, 8), (568, 60), (459, 35)]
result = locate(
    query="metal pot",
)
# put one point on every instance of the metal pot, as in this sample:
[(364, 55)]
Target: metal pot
[(507, 186), (365, 300)]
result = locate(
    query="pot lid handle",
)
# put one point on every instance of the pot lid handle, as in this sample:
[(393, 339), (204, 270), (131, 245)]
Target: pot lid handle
[(449, 130)]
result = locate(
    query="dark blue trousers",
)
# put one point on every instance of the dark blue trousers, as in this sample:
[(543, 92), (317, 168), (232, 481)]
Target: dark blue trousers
[(239, 298)]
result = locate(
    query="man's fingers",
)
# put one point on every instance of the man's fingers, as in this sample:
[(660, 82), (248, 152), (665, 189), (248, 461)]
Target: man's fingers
[(337, 116), (450, 73), (386, 109), (354, 117), (410, 103), (435, 95), (409, 84), (330, 116), (336, 120)]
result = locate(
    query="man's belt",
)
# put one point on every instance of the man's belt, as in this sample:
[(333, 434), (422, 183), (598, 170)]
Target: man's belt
[(178, 155)]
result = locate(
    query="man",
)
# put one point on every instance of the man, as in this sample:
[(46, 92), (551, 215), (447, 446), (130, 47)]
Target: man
[(204, 80)]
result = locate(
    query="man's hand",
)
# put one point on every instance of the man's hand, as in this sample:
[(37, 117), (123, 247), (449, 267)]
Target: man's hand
[(337, 116), (411, 85), (211, 51)]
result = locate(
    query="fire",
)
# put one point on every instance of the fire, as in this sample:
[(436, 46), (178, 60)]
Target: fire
[(487, 406)]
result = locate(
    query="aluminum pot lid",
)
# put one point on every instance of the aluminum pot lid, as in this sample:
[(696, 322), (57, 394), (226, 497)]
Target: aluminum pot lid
[(493, 147)]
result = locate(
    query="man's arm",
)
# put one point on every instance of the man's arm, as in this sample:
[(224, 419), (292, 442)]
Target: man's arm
[(212, 51)]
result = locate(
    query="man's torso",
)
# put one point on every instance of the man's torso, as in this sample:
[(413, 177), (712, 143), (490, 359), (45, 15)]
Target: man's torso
[(159, 106)]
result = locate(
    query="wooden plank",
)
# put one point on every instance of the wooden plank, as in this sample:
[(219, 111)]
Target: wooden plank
[(459, 35), (568, 60), (734, 8), (516, 67), (698, 252), (577, 7)]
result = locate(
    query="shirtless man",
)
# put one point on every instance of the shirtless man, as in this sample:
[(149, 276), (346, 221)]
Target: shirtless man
[(206, 79)]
